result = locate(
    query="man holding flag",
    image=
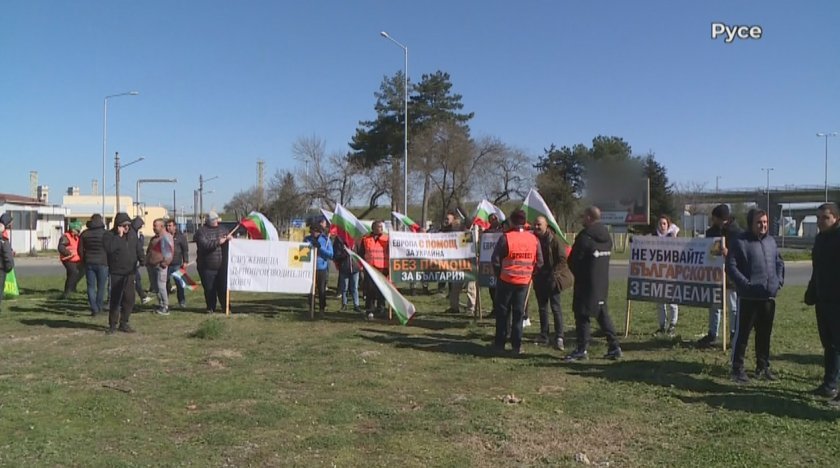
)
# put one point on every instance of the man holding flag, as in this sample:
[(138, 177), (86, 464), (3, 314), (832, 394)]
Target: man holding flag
[(180, 259), (373, 248)]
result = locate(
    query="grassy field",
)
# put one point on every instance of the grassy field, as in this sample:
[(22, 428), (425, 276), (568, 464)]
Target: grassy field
[(269, 387)]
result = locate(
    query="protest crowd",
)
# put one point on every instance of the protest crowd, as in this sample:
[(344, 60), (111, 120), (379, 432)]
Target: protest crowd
[(528, 258)]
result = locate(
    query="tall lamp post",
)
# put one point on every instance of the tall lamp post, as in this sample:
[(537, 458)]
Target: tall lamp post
[(405, 121), (105, 139), (117, 168), (826, 135), (767, 190)]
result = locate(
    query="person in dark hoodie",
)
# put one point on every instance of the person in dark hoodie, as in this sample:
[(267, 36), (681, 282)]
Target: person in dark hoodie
[(590, 264), (348, 273), (824, 293), (95, 261), (757, 268), (723, 225), (124, 251), (7, 259), (136, 225), (211, 258)]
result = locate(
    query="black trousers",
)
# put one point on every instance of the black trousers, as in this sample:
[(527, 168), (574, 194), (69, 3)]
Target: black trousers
[(828, 325), (214, 283), (510, 300), (74, 274), (549, 295), (758, 313), (121, 302), (373, 298), (321, 277), (583, 327)]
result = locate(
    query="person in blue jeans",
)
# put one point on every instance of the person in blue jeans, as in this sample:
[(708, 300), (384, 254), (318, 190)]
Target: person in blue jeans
[(92, 253), (180, 259), (348, 274), (320, 241)]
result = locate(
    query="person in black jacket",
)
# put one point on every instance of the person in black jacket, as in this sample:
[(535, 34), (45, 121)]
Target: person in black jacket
[(348, 275), (7, 259), (756, 267), (824, 293), (180, 258), (211, 240), (124, 251), (95, 261), (723, 225), (590, 264)]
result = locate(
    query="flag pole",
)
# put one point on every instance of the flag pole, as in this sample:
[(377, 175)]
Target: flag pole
[(314, 281)]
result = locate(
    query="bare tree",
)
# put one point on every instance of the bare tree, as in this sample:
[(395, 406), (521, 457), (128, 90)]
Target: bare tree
[(452, 163), (507, 173), (243, 202), (325, 179)]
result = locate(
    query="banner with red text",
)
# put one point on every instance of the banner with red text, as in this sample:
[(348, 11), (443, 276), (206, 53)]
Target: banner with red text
[(442, 256), (675, 270)]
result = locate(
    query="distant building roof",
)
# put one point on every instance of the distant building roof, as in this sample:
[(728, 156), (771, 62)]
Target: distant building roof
[(21, 200)]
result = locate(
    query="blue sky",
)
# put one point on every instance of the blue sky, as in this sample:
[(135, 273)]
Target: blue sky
[(224, 83)]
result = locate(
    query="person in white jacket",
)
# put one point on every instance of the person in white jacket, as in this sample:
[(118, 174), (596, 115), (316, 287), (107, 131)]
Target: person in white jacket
[(666, 228)]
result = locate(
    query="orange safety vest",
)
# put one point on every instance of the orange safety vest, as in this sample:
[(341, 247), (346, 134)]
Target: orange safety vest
[(518, 266), (376, 251), (73, 247)]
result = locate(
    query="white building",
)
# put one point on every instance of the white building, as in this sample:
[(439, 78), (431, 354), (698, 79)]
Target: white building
[(35, 225)]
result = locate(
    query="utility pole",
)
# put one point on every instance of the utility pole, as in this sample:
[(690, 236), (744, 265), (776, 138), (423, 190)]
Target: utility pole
[(201, 181), (117, 179), (195, 209)]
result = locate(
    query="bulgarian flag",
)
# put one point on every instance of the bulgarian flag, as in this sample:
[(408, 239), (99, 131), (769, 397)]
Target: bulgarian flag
[(483, 212), (534, 206), (184, 279), (348, 227), (402, 307), (328, 215), (259, 227), (406, 221)]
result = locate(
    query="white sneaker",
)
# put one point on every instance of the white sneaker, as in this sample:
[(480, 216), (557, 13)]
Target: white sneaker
[(526, 323), (162, 311), (146, 300)]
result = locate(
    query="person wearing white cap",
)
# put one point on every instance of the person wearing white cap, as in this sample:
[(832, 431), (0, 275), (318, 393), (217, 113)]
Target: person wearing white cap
[(211, 240)]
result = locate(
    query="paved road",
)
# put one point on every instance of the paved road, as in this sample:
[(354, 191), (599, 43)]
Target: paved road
[(50, 266), (796, 273)]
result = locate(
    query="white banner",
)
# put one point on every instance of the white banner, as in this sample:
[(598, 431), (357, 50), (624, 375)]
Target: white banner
[(442, 256), (676, 270), (270, 266)]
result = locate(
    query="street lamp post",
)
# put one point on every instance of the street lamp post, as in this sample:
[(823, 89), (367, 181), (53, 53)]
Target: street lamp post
[(117, 168), (201, 181), (767, 190), (405, 121), (105, 140), (826, 135), (717, 187)]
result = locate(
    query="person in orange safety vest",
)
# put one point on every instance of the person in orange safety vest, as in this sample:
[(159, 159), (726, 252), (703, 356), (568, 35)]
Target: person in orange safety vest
[(374, 249), (68, 251), (515, 259)]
